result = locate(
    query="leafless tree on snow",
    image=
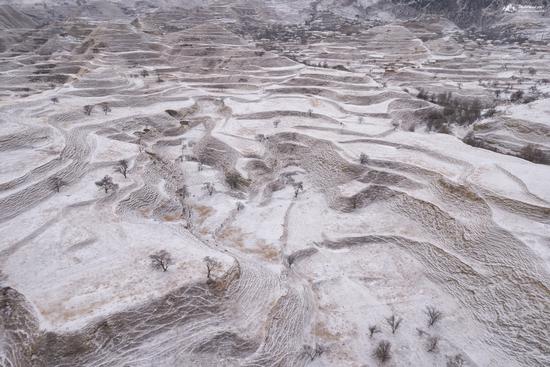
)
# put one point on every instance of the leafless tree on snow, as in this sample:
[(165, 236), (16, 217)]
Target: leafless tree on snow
[(122, 167), (211, 266), (299, 186), (373, 329), (106, 183), (57, 183), (161, 260), (433, 343), (433, 314), (313, 353), (394, 322), (455, 361), (106, 108), (208, 187), (88, 109), (383, 351)]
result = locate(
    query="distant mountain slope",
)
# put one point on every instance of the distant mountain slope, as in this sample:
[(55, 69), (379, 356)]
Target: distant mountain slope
[(464, 13), (12, 18), (467, 12)]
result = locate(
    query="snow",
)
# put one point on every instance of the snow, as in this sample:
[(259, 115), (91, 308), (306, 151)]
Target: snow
[(426, 221), (88, 263), (536, 111)]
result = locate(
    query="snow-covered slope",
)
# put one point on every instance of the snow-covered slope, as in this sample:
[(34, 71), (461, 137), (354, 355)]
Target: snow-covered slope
[(292, 180), (12, 18)]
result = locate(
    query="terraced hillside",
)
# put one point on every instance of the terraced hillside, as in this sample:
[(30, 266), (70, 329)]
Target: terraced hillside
[(321, 182)]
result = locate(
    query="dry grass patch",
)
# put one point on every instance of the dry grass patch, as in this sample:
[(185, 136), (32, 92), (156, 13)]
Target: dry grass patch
[(265, 250), (234, 235), (322, 331), (171, 217)]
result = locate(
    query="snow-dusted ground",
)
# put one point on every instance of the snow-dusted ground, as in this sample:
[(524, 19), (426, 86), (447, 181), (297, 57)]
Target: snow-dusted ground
[(425, 220)]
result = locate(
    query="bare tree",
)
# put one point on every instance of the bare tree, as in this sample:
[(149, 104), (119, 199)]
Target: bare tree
[(106, 183), (373, 329), (517, 96), (298, 186), (211, 266), (363, 158), (394, 322), (383, 351), (106, 108), (455, 361), (57, 183), (208, 187), (54, 100), (313, 353), (182, 192), (432, 345), (235, 180), (88, 109), (434, 315), (122, 167), (159, 79), (161, 260)]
